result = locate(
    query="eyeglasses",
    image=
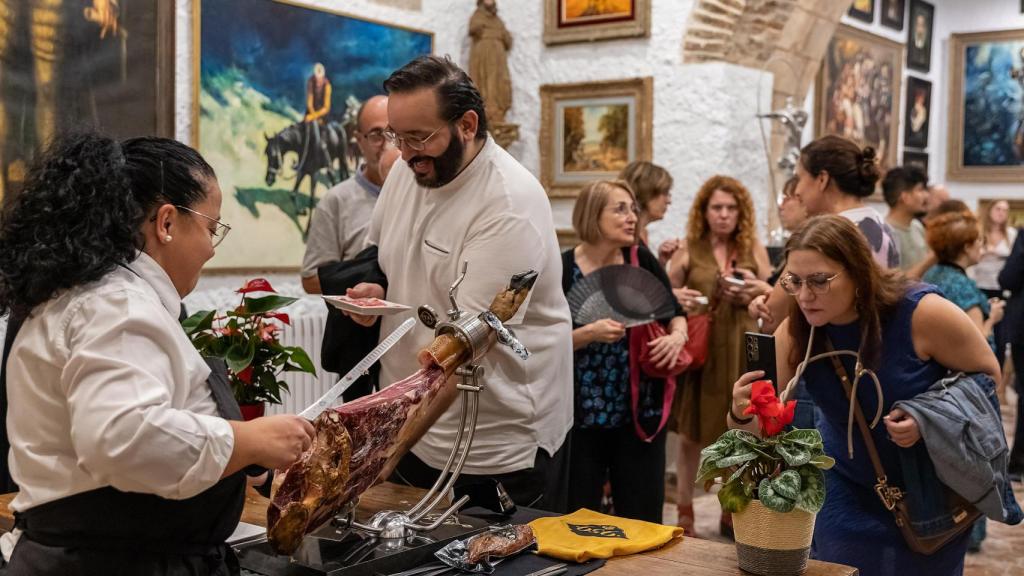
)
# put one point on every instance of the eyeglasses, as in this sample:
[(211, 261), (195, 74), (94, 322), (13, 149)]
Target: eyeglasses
[(375, 136), (623, 209), (218, 234), (818, 283), (414, 143)]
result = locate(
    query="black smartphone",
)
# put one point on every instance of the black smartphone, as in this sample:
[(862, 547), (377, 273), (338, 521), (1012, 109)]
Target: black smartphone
[(760, 351)]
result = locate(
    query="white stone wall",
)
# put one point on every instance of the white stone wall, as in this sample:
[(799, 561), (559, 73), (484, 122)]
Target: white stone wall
[(704, 114)]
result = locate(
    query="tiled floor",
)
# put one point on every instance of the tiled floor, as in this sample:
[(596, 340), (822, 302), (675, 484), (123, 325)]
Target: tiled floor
[(1002, 553)]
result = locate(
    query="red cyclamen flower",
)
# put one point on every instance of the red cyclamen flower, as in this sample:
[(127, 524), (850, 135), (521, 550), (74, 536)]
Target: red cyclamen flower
[(772, 416)]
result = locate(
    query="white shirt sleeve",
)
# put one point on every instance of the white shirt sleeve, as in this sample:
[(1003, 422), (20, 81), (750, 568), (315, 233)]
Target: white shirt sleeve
[(499, 248), (126, 370)]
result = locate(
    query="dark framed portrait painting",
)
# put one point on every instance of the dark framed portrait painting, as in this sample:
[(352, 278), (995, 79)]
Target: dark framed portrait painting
[(858, 91), (74, 64), (590, 20), (917, 114), (279, 86), (913, 159), (893, 12), (986, 107), (919, 44), (863, 10)]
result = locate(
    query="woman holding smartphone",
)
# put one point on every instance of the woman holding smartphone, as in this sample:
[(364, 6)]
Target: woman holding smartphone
[(720, 267), (910, 337)]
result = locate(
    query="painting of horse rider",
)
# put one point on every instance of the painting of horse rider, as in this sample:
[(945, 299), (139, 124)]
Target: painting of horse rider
[(279, 85)]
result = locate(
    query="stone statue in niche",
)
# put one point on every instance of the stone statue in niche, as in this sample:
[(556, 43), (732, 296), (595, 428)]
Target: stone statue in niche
[(488, 67)]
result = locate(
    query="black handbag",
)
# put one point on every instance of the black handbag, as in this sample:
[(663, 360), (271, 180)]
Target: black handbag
[(962, 514), (345, 343)]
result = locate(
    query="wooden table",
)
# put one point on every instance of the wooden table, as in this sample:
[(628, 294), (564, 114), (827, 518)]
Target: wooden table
[(689, 556)]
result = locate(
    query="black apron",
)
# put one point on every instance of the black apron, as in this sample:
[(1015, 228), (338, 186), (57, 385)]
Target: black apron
[(114, 533)]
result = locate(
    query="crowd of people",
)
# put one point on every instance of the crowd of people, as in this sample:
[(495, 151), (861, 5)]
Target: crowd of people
[(913, 296)]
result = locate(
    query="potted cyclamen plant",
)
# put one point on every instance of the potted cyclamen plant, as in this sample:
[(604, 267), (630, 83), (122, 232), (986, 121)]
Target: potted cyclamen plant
[(773, 485), (247, 339)]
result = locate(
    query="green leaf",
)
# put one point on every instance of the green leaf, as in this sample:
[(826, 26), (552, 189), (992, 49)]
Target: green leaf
[(299, 356), (202, 320), (812, 493), (732, 497), (772, 499), (739, 472), (787, 484), (794, 454), (807, 437), (240, 355), (266, 303), (736, 459), (823, 462)]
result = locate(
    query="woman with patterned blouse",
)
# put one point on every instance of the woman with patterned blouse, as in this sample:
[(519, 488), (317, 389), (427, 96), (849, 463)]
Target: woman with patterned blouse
[(605, 445)]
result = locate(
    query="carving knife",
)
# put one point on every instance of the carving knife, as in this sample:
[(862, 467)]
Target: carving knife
[(329, 397)]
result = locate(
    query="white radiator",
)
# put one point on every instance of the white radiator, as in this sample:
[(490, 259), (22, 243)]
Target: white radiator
[(307, 331)]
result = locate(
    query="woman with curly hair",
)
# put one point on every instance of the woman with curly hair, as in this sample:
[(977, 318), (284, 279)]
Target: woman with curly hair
[(720, 267), (111, 416)]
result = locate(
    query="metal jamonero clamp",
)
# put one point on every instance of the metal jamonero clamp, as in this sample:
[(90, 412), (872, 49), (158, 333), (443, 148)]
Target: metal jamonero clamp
[(505, 335)]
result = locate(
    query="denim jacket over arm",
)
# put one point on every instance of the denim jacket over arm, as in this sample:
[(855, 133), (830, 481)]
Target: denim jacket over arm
[(962, 431)]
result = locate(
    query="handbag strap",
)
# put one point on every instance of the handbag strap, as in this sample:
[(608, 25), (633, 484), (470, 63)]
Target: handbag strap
[(889, 495)]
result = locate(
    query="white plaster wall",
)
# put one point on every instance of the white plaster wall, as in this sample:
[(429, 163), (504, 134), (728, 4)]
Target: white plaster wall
[(704, 114)]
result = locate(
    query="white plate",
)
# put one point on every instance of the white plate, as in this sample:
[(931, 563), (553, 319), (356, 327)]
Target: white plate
[(366, 306)]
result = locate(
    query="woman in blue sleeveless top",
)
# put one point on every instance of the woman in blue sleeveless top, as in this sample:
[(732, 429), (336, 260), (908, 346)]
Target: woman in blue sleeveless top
[(910, 337)]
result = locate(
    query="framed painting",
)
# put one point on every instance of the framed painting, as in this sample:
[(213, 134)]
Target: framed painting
[(259, 65), (592, 130), (917, 115), (109, 67), (863, 10), (986, 107), (858, 91), (893, 12), (919, 45), (588, 20), (916, 160)]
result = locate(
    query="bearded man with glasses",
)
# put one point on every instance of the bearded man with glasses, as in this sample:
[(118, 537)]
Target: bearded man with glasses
[(459, 197)]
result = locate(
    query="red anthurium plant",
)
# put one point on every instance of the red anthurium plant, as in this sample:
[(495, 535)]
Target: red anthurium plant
[(783, 469), (247, 339)]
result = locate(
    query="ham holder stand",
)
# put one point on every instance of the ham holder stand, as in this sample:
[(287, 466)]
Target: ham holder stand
[(392, 541)]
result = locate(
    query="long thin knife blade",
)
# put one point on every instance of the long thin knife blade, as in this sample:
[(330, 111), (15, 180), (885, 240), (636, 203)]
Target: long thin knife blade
[(328, 399)]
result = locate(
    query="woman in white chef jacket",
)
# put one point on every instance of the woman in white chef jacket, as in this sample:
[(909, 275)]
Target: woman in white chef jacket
[(123, 465)]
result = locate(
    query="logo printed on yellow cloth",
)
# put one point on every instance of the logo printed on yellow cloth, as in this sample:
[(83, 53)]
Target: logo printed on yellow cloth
[(586, 534), (598, 530)]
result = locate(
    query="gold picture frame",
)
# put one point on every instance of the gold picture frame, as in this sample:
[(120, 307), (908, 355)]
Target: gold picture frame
[(575, 116), (848, 48), (975, 157), (567, 21)]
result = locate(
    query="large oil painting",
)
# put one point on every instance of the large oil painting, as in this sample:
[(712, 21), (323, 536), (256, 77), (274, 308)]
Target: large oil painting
[(81, 63), (279, 87), (986, 106), (592, 130), (589, 20), (858, 91)]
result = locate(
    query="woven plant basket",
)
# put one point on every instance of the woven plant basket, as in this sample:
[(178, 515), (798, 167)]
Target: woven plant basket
[(771, 543)]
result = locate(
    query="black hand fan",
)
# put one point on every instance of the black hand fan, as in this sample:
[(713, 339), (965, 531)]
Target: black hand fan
[(626, 294)]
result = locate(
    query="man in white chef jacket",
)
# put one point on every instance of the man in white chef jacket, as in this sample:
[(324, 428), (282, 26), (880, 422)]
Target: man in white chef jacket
[(458, 196)]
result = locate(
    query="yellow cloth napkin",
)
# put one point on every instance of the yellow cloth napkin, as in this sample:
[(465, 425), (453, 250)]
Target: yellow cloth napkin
[(586, 534)]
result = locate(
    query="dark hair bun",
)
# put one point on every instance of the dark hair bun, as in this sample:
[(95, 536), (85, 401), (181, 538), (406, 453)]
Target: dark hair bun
[(868, 171)]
